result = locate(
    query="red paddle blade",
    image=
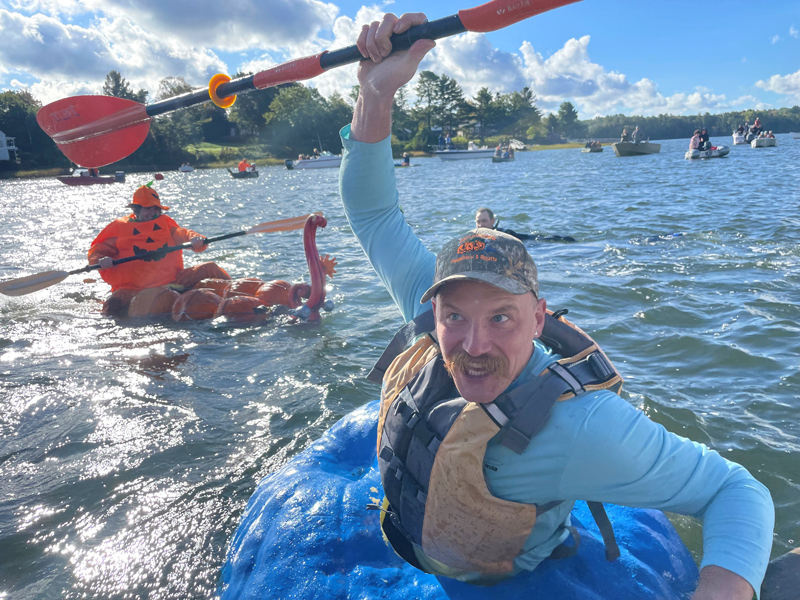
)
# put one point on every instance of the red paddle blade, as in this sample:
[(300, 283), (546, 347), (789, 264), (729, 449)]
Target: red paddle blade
[(94, 131), (497, 14)]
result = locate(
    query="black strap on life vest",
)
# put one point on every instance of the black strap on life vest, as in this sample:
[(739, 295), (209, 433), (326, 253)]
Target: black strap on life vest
[(424, 323)]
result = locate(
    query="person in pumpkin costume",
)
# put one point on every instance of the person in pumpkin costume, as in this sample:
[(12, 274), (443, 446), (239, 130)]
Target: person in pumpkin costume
[(144, 230)]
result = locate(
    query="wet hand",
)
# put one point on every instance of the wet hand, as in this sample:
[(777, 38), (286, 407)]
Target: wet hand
[(198, 244), (106, 262), (382, 75)]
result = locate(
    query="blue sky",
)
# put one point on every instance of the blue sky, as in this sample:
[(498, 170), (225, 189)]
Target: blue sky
[(605, 56)]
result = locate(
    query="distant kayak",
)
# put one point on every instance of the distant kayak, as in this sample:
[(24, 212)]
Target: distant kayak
[(81, 177), (307, 534)]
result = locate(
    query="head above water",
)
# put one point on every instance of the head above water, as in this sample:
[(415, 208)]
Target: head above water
[(484, 217), (485, 296)]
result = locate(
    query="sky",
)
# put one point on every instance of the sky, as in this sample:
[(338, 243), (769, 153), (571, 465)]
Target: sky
[(605, 56)]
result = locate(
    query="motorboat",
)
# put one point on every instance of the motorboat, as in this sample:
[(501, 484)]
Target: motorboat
[(82, 177), (243, 174), (186, 168), (713, 152), (326, 160), (472, 151), (635, 149), (739, 139), (795, 134), (764, 143), (592, 149)]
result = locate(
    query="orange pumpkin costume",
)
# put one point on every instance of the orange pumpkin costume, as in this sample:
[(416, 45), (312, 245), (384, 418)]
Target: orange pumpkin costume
[(129, 237)]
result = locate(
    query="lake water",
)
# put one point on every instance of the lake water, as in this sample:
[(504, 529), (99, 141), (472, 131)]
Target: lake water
[(128, 450)]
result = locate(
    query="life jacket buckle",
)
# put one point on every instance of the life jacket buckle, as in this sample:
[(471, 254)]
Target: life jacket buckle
[(600, 366)]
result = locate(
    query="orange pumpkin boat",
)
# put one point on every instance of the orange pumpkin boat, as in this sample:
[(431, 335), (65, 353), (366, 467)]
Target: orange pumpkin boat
[(245, 299)]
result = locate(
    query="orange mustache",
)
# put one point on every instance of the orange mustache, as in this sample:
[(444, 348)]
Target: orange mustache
[(496, 366)]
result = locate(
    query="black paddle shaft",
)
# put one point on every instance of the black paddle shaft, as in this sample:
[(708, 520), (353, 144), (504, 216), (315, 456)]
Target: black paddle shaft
[(161, 252), (432, 30)]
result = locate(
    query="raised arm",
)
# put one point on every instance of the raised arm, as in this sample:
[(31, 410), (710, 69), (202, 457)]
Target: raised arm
[(367, 181)]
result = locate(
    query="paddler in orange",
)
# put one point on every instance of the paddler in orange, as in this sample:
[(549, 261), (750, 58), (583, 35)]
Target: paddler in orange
[(245, 166), (145, 230)]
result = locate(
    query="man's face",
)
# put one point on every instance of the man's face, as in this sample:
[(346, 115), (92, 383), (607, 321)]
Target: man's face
[(148, 213), (486, 335), (482, 220)]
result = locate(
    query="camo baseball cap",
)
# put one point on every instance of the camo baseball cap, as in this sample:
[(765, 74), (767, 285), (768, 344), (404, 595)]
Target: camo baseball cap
[(489, 256)]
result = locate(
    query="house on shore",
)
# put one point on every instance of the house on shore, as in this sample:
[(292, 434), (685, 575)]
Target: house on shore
[(8, 145)]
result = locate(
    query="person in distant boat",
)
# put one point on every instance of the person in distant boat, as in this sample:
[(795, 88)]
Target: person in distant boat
[(771, 135), (511, 151), (245, 166), (498, 151), (625, 137), (704, 143), (94, 172), (406, 159), (448, 142), (441, 141), (757, 126), (694, 144), (315, 154), (637, 136), (740, 130), (485, 218), (144, 230)]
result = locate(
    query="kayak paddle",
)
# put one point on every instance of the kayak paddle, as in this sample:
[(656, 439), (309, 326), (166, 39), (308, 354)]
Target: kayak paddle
[(33, 283), (94, 131)]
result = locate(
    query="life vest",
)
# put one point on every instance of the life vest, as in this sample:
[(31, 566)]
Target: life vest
[(438, 513), (134, 237)]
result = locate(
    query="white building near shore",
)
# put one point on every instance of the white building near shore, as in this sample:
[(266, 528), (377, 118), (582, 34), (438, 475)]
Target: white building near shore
[(7, 145)]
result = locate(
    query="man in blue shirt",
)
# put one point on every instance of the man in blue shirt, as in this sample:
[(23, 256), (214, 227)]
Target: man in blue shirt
[(595, 446)]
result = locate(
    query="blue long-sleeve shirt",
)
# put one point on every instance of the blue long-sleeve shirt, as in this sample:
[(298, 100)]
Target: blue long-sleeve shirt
[(593, 447)]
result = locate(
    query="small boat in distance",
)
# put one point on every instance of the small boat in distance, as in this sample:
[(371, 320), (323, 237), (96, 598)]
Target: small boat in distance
[(634, 149), (499, 159), (713, 152), (82, 177), (326, 160), (795, 134), (764, 143), (738, 139), (472, 151), (186, 168), (243, 174)]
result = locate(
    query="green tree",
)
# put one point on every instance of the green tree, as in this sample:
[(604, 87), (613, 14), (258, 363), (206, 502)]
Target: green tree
[(249, 109), (427, 91), (300, 119), (450, 104), (18, 120), (568, 120), (116, 85)]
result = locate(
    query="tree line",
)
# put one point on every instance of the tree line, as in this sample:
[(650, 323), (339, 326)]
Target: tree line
[(292, 119)]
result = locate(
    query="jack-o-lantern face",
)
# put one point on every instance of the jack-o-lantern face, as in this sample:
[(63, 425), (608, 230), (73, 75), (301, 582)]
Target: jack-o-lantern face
[(145, 239)]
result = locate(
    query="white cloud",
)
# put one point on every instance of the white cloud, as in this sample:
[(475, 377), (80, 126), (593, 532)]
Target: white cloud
[(568, 74), (267, 24), (775, 39), (64, 57), (788, 85), (793, 32)]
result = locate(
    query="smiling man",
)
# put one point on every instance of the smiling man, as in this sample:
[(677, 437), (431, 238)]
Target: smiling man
[(500, 415)]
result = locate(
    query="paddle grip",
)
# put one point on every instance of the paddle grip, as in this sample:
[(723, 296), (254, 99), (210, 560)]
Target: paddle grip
[(432, 30)]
